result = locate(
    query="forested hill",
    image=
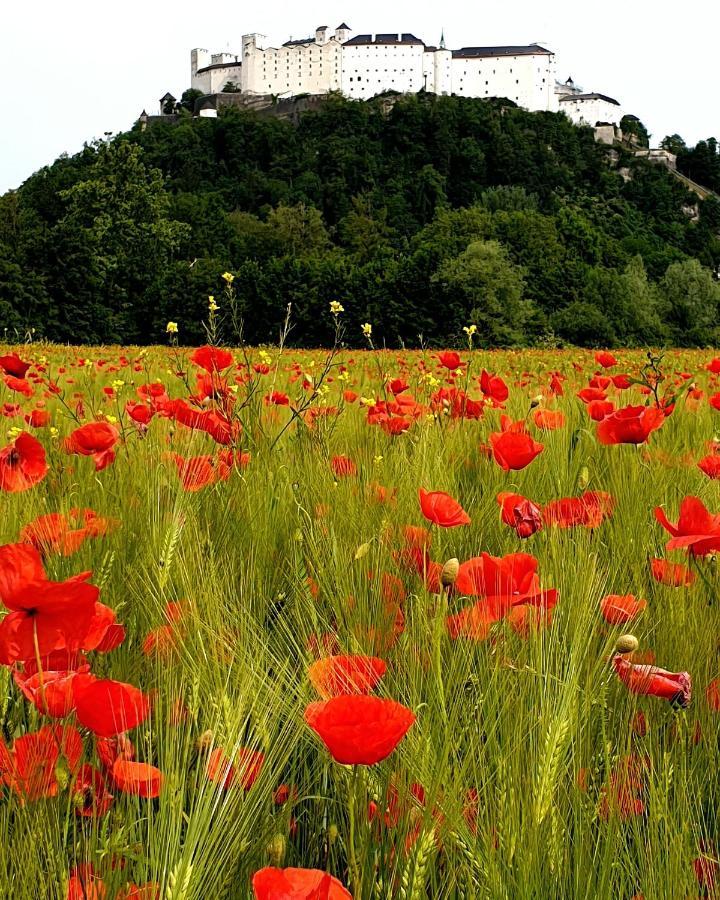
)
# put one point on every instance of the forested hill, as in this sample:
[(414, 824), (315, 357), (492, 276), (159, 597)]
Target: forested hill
[(420, 219)]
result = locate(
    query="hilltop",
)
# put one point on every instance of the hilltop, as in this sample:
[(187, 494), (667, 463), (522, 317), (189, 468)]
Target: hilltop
[(420, 216)]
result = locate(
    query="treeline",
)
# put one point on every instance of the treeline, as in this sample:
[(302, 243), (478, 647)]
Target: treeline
[(420, 217)]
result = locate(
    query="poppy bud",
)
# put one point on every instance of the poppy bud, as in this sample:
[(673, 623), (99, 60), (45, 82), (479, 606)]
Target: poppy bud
[(205, 740), (276, 849), (449, 572), (536, 401), (332, 833), (626, 643)]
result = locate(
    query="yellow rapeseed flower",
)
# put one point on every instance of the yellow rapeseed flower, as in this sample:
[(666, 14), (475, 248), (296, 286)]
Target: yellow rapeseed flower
[(171, 328)]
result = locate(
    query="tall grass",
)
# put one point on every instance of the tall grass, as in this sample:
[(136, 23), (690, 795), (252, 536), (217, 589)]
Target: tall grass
[(514, 719)]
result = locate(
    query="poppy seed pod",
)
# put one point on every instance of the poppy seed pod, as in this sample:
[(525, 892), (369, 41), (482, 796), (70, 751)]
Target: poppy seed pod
[(449, 572), (626, 643), (276, 849)]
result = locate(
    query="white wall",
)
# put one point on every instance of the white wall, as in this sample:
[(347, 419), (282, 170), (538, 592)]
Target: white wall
[(589, 112), (370, 69), (528, 80), (301, 69)]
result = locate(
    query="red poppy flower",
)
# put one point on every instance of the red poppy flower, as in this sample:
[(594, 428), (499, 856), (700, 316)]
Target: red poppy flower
[(22, 464), (108, 707), (605, 359), (618, 609), (278, 399), (714, 401), (503, 583), (588, 510), (140, 413), (493, 387), (514, 449), (195, 473), (343, 467), (243, 770), (712, 695), (624, 793), (11, 364), (65, 534), (212, 359), (137, 778), (643, 679), (90, 795), (357, 729), (671, 574), (337, 675), (96, 439), (51, 692), (45, 615), (85, 884), (599, 409), (549, 419), (38, 418), (450, 360), (29, 768), (630, 425), (710, 465), (697, 530), (520, 513), (218, 426), (297, 884), (441, 509)]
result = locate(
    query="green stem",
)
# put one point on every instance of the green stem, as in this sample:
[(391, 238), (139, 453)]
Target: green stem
[(439, 628), (355, 881)]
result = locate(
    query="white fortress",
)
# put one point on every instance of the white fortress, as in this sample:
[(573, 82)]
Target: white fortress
[(365, 65)]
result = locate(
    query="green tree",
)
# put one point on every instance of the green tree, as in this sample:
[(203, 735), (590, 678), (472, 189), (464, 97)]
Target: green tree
[(187, 101), (692, 300), (482, 286), (674, 144), (300, 228), (116, 222), (631, 125)]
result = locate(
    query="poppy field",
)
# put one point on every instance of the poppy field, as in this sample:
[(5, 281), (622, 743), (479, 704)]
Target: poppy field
[(285, 623)]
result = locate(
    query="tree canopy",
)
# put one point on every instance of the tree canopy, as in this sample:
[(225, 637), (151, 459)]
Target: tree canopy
[(420, 217)]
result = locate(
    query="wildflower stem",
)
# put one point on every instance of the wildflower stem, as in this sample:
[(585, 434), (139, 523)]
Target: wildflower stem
[(355, 878)]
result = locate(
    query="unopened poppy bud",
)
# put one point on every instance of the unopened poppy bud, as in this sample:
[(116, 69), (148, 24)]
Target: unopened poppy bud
[(276, 849), (206, 740), (449, 572), (332, 833), (626, 643)]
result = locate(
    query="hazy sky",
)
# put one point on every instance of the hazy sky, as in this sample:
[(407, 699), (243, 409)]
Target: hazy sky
[(76, 69)]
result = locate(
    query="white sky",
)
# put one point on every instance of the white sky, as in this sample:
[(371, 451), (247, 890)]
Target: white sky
[(75, 69)]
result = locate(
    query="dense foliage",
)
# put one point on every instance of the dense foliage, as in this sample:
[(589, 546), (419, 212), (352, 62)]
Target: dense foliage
[(419, 214)]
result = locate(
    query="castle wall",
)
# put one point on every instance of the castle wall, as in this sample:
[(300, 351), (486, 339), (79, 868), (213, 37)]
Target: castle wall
[(528, 80), (591, 111), (364, 69), (370, 69), (298, 69)]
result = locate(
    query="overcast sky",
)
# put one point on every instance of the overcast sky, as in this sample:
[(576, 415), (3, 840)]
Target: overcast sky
[(77, 69)]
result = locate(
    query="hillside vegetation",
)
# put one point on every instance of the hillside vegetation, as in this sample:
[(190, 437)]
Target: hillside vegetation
[(420, 219)]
